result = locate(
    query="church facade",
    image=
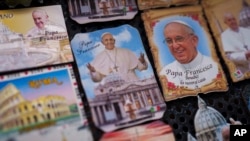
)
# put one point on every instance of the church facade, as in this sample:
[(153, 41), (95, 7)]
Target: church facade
[(92, 7), (125, 103)]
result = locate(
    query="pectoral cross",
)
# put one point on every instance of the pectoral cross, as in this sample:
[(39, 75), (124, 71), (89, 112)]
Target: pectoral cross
[(116, 68)]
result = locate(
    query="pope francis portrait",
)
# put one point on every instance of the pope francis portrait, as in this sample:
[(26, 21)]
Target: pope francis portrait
[(115, 60)]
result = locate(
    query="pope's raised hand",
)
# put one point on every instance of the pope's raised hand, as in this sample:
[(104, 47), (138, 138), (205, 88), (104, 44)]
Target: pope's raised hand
[(141, 58), (90, 67)]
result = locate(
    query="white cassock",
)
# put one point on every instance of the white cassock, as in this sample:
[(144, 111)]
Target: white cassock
[(49, 27), (201, 71), (235, 44), (119, 60)]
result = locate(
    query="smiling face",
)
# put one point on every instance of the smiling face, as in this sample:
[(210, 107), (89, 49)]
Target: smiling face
[(181, 41), (108, 41), (230, 21), (40, 18)]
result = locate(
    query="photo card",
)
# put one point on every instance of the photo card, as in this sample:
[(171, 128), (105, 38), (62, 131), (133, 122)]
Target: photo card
[(230, 22), (117, 78), (152, 4), (40, 38), (42, 104), (101, 10), (183, 51)]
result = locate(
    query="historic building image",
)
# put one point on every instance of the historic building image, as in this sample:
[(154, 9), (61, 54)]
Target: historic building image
[(42, 104), (101, 7), (17, 50), (16, 112), (208, 123), (84, 11), (118, 103)]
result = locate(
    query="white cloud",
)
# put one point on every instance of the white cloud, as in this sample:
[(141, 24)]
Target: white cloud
[(98, 49), (124, 36), (84, 37)]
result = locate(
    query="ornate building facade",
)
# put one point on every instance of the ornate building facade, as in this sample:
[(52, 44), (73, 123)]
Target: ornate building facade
[(92, 7), (9, 39), (16, 112), (120, 102)]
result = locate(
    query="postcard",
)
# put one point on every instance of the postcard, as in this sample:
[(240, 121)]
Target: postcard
[(229, 21), (42, 104), (154, 131), (183, 51), (153, 4), (101, 10), (40, 38), (117, 77)]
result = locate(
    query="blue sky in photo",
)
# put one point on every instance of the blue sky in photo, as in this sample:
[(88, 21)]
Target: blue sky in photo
[(65, 89)]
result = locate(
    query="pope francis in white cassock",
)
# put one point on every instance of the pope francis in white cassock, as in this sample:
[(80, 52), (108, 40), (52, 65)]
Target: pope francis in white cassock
[(43, 25), (115, 60), (236, 43), (190, 69)]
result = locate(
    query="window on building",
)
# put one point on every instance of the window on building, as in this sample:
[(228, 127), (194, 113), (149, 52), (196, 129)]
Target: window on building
[(48, 116), (150, 102), (35, 118), (25, 108), (39, 105), (108, 107), (138, 105), (156, 98), (135, 95)]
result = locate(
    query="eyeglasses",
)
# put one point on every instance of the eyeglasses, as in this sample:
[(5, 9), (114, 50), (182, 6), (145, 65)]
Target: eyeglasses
[(109, 39), (177, 39)]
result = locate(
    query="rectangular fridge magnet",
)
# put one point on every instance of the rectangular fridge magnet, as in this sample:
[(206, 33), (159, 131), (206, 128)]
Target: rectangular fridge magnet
[(117, 77), (32, 37), (230, 22), (43, 105), (150, 4), (87, 11), (183, 51)]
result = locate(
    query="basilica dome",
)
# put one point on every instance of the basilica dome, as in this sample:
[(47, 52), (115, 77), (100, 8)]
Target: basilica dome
[(208, 122), (113, 79), (4, 29), (4, 32)]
